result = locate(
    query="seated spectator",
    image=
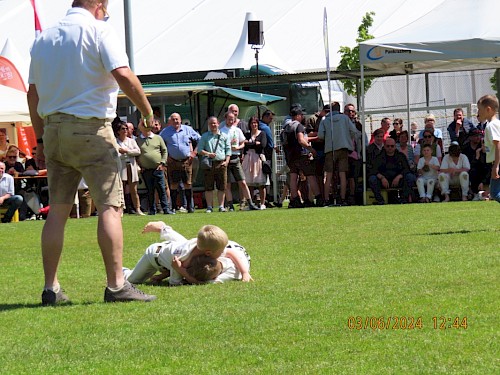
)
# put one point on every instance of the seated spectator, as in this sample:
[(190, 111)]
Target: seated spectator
[(385, 125), (13, 166), (429, 124), (374, 149), (427, 169), (479, 173), (455, 172), (7, 196), (428, 138), (414, 133), (4, 144), (390, 169), (405, 148), (254, 156), (460, 128), (398, 128)]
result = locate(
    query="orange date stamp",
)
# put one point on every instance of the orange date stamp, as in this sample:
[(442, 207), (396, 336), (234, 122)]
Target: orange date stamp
[(406, 323)]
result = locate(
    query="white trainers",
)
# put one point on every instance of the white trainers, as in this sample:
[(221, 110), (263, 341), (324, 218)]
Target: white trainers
[(182, 210), (263, 207)]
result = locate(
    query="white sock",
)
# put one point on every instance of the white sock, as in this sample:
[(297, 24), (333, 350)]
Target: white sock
[(117, 289)]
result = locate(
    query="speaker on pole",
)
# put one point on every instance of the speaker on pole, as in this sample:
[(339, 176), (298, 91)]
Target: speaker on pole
[(255, 32)]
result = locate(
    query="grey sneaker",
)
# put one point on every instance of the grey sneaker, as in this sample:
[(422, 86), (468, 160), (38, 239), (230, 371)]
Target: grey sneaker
[(128, 293), (51, 298)]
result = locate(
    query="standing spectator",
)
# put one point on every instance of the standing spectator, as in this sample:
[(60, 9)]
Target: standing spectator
[(299, 158), (7, 196), (152, 161), (338, 132), (180, 140), (356, 156), (460, 128), (427, 168), (156, 127), (252, 161), (237, 141), (72, 111), (265, 126), (128, 149), (131, 131), (216, 146), (454, 171), (487, 111), (385, 125), (235, 110), (312, 127)]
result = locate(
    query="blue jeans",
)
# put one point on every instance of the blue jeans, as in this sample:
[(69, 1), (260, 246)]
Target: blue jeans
[(495, 189), (13, 203), (154, 180)]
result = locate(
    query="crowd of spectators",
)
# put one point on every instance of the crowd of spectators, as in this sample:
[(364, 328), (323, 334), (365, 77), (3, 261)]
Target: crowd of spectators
[(323, 155)]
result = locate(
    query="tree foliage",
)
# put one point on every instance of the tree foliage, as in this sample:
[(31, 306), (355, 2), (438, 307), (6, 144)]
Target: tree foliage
[(350, 57)]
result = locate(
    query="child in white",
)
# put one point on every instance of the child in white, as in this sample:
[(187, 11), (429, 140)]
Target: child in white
[(487, 107), (427, 168), (173, 255), (455, 171), (209, 270)]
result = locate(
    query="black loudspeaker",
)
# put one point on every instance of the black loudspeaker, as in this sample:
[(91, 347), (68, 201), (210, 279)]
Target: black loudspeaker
[(255, 32)]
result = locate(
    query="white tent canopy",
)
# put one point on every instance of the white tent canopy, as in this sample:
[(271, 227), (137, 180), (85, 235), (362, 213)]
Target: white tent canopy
[(13, 105), (455, 35)]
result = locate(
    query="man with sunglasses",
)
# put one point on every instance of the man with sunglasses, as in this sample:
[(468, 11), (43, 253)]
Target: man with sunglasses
[(77, 68)]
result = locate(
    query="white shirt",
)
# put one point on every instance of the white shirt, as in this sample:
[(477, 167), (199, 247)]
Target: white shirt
[(71, 67), (6, 184), (235, 135), (491, 133), (463, 162)]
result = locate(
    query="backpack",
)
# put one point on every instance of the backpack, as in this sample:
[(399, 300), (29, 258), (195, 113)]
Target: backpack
[(288, 133)]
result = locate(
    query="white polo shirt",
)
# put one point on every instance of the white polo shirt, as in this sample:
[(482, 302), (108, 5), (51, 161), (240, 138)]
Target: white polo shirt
[(6, 184), (71, 66)]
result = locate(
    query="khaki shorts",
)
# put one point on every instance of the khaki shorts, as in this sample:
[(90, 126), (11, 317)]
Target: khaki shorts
[(339, 157), (217, 175), (76, 148), (180, 170)]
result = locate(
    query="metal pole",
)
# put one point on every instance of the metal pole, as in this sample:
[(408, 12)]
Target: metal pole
[(363, 137), (129, 44)]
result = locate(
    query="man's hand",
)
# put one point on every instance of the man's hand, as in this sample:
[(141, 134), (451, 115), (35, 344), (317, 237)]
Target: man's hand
[(154, 226), (395, 182), (385, 183)]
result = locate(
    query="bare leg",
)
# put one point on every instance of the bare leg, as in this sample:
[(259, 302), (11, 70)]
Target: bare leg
[(328, 182), (209, 197), (53, 240), (294, 186), (110, 238), (220, 197)]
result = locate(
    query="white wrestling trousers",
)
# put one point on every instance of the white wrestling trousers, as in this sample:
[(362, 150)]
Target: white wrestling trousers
[(461, 180), (422, 183), (147, 265)]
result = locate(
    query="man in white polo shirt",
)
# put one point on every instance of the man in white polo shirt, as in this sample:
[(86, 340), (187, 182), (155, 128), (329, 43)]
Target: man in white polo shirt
[(76, 70)]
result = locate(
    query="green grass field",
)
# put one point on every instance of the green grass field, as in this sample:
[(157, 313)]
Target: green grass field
[(347, 290)]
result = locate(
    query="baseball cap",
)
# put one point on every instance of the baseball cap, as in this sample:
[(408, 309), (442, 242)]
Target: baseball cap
[(326, 107)]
